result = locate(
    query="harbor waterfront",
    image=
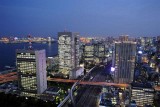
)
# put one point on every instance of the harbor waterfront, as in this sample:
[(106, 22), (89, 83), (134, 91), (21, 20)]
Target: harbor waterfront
[(8, 52)]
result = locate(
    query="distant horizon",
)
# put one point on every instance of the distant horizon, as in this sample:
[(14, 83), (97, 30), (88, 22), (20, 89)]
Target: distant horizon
[(56, 36), (89, 17)]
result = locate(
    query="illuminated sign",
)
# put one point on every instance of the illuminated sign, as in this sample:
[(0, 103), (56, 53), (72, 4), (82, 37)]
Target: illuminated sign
[(112, 69)]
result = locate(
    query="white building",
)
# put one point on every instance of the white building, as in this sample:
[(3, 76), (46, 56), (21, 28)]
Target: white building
[(32, 75), (77, 72), (68, 50), (124, 61)]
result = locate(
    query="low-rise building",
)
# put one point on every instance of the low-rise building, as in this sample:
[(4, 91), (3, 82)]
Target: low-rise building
[(77, 72), (50, 93), (142, 95)]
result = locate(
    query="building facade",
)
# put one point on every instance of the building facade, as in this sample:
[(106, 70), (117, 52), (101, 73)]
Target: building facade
[(124, 61), (123, 38), (68, 51), (88, 52), (99, 52), (142, 96), (94, 52), (32, 75), (158, 55)]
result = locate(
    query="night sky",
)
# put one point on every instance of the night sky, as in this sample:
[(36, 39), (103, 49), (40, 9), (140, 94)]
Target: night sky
[(89, 17)]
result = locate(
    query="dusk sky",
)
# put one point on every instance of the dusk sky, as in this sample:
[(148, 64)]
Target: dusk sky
[(89, 17)]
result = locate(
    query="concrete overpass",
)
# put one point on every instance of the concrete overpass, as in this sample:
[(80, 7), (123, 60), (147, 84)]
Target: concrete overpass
[(87, 82), (12, 76)]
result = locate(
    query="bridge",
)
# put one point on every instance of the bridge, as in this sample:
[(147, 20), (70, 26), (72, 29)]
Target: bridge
[(88, 82), (12, 76), (8, 71)]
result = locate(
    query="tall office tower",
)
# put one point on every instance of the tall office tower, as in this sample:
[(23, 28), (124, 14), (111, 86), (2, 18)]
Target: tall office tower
[(124, 61), (68, 50), (158, 55), (99, 52), (76, 49), (158, 44), (147, 42), (31, 66), (123, 38), (88, 53)]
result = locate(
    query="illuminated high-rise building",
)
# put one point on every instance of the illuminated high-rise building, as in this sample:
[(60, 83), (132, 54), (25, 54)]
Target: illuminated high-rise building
[(158, 44), (99, 52), (68, 50), (123, 38), (88, 53), (32, 75), (94, 53), (158, 55), (124, 61)]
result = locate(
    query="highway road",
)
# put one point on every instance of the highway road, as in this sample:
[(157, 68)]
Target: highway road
[(12, 76), (88, 96)]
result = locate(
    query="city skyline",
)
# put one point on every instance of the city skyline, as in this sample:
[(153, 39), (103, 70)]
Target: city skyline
[(105, 18), (104, 72), (80, 53)]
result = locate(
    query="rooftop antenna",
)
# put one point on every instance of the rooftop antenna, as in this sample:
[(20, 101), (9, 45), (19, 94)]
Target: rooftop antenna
[(30, 42)]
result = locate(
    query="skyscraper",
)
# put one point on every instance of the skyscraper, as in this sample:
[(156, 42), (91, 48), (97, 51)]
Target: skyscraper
[(158, 55), (88, 53), (68, 50), (32, 75), (99, 52), (124, 61), (123, 38)]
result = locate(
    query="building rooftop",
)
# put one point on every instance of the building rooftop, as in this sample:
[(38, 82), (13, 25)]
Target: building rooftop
[(28, 50), (53, 89), (77, 68), (141, 85)]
